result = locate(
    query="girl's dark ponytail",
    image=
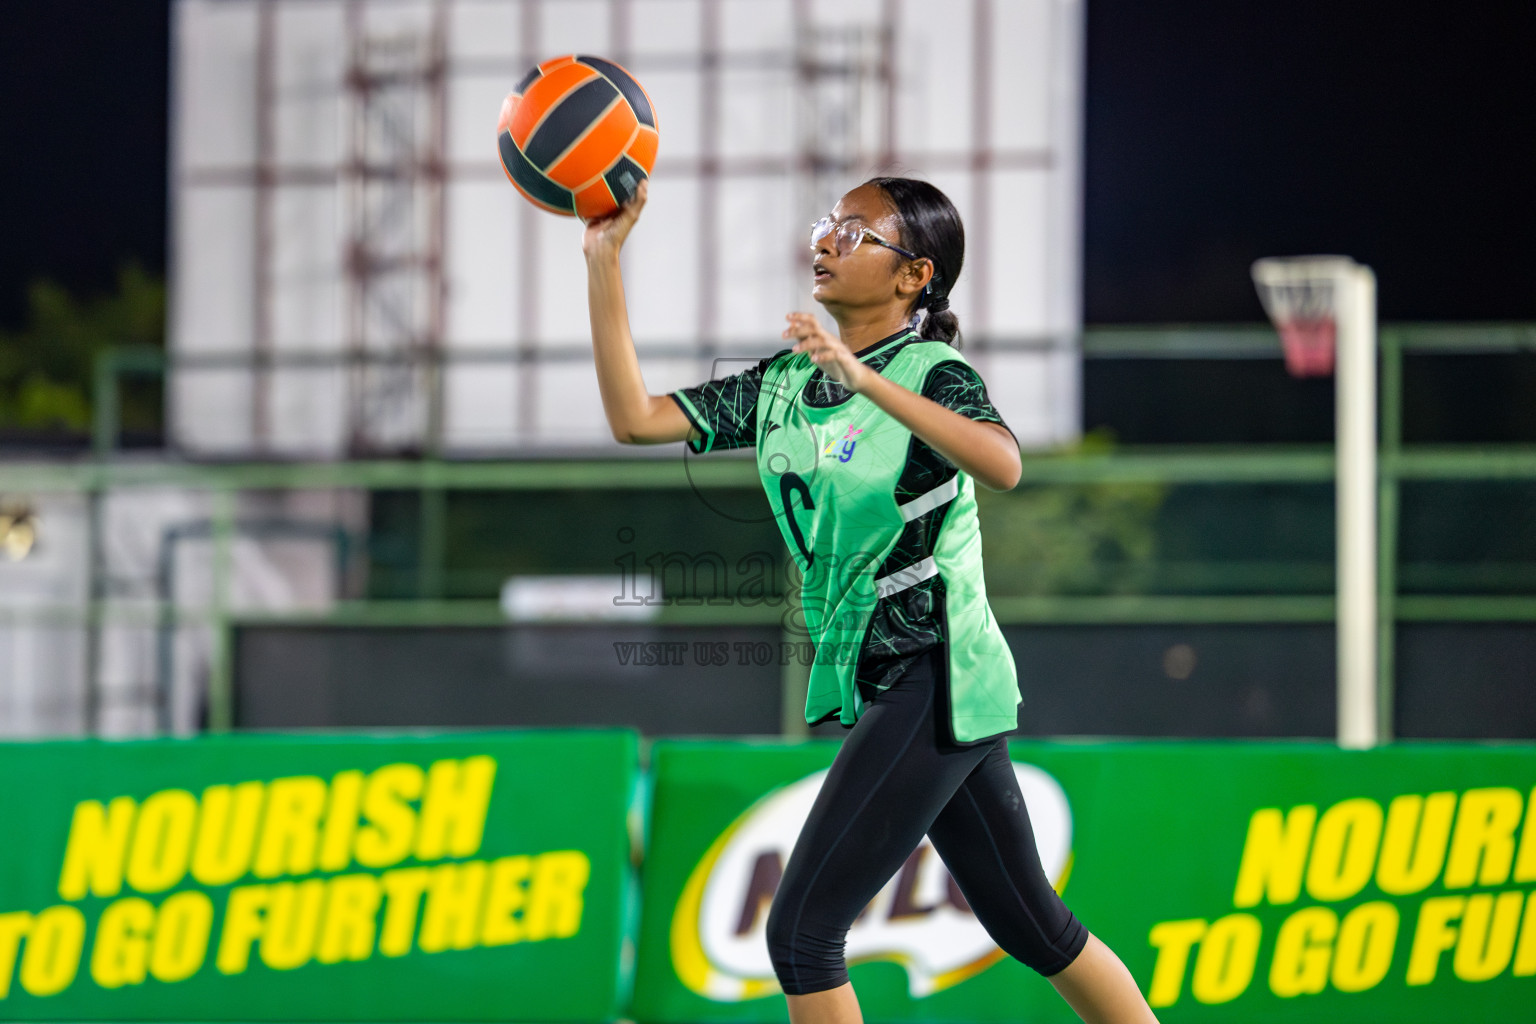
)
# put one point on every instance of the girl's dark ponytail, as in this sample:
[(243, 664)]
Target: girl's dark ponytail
[(930, 227), (938, 323)]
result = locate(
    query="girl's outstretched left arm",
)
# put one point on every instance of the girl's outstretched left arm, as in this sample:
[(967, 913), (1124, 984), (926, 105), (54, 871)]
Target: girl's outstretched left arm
[(987, 451)]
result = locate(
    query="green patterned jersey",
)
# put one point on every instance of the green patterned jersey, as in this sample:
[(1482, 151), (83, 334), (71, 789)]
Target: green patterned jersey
[(874, 517), (724, 411)]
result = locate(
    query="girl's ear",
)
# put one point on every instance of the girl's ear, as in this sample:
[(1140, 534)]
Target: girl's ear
[(915, 276)]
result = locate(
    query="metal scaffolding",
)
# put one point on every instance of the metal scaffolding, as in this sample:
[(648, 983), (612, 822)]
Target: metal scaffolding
[(395, 172)]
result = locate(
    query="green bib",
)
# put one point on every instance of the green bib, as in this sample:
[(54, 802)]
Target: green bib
[(831, 478)]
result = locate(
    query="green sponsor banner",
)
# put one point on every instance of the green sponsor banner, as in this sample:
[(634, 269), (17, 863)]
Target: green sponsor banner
[(1267, 881), (468, 876)]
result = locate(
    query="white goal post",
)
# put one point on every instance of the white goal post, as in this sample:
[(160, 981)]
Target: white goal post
[(1317, 300)]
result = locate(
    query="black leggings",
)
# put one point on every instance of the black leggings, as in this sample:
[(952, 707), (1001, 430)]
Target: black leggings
[(898, 776)]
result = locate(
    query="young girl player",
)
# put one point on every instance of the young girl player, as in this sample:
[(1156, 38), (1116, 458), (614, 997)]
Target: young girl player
[(867, 444)]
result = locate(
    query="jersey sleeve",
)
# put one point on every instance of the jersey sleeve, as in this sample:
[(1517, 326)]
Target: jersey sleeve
[(958, 387), (724, 411)]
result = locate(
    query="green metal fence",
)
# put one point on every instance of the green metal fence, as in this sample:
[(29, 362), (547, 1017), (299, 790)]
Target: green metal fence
[(432, 480)]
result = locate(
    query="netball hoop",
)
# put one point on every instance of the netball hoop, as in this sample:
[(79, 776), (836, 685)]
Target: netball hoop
[(1325, 310), (1301, 295)]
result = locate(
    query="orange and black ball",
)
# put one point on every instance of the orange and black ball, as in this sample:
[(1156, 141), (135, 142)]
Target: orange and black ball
[(577, 136)]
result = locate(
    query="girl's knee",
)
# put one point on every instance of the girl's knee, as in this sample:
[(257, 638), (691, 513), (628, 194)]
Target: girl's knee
[(1045, 936), (1048, 957), (805, 958)]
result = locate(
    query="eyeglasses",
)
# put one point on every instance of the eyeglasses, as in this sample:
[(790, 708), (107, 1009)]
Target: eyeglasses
[(849, 234)]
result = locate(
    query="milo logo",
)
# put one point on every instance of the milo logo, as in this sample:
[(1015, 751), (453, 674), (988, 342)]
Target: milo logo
[(919, 919)]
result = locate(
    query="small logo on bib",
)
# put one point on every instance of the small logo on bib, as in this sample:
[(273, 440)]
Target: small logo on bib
[(847, 442)]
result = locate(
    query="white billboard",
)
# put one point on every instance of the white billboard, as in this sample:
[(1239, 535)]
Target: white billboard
[(353, 274)]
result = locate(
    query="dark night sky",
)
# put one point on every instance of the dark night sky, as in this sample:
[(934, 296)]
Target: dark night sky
[(83, 123), (1403, 134)]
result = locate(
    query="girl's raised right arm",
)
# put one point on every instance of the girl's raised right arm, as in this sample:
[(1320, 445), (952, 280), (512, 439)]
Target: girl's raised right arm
[(635, 416)]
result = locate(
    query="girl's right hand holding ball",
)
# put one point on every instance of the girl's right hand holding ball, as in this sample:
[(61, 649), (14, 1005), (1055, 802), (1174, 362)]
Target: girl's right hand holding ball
[(604, 236)]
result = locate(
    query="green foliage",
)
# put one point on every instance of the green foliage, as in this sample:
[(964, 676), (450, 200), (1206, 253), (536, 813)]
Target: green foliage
[(46, 367), (1097, 538), (42, 403)]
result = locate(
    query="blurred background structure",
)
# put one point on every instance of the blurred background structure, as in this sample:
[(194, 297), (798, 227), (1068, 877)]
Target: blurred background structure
[(348, 466), (331, 180)]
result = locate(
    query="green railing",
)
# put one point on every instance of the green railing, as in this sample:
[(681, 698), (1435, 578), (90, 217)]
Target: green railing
[(433, 478)]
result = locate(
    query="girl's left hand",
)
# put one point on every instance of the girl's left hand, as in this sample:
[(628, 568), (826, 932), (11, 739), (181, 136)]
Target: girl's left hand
[(829, 353)]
